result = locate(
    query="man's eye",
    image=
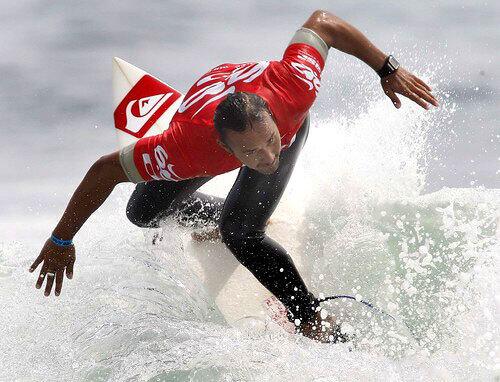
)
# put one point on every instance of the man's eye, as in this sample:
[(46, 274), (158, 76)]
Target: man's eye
[(271, 140)]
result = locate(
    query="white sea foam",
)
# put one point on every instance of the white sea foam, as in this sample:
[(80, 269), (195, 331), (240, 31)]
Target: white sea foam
[(354, 214)]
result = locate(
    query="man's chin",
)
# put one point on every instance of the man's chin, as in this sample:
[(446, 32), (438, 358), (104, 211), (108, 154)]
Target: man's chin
[(268, 170)]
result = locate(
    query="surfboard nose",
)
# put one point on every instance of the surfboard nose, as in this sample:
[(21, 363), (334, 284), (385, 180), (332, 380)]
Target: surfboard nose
[(118, 63), (125, 76), (124, 68), (143, 104)]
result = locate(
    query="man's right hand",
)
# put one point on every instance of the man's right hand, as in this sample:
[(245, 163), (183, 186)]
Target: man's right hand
[(56, 260), (94, 189)]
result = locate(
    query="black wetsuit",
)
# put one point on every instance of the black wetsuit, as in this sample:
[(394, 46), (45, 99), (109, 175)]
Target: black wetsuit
[(242, 219)]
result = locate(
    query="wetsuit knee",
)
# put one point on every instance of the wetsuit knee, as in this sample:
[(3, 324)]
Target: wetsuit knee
[(139, 216), (155, 200), (238, 239)]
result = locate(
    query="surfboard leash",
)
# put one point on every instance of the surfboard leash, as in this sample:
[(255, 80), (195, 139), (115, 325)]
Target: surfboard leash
[(368, 304)]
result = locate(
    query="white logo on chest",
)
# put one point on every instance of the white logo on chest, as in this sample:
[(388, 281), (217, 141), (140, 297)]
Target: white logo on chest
[(224, 86)]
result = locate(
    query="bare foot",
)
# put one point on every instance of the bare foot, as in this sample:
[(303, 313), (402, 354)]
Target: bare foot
[(324, 328)]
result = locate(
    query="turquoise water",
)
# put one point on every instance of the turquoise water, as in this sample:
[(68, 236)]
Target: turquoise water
[(136, 312)]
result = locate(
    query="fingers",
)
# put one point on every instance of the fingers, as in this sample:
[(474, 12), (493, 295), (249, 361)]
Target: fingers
[(50, 276), (59, 281), (394, 98), (412, 87), (420, 82), (36, 263), (415, 98), (41, 277), (50, 282), (69, 269), (51, 272), (425, 95)]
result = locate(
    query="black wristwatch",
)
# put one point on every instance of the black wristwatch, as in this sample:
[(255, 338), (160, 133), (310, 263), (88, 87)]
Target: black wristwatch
[(389, 67)]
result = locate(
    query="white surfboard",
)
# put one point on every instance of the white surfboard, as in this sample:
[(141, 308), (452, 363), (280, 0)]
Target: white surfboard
[(144, 106)]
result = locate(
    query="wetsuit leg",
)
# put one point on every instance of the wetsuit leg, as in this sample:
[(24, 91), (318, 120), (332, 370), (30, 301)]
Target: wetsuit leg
[(249, 205), (155, 200)]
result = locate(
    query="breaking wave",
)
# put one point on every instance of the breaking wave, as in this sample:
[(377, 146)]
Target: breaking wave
[(357, 221)]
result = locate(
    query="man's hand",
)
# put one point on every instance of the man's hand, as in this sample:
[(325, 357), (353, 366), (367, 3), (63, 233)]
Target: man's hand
[(94, 189), (341, 35), (412, 87), (55, 260)]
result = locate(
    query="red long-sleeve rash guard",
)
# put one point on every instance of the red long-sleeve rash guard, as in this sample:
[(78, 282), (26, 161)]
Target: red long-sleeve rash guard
[(189, 148)]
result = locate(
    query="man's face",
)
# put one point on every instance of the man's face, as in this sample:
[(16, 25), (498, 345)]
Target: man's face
[(258, 147)]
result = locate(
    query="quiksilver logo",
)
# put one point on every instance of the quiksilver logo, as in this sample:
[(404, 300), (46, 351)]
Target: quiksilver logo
[(146, 107), (143, 105)]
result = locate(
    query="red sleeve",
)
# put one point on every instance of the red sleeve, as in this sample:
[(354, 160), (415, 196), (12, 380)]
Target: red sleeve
[(306, 63), (298, 76), (159, 157)]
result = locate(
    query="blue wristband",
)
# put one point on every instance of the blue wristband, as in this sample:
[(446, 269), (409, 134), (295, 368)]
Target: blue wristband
[(60, 242)]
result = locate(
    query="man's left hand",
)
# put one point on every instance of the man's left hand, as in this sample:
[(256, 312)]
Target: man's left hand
[(412, 87)]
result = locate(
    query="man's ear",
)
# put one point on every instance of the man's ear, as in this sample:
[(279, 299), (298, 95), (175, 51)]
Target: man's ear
[(224, 146)]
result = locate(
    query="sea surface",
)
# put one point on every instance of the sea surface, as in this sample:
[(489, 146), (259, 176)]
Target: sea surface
[(398, 207)]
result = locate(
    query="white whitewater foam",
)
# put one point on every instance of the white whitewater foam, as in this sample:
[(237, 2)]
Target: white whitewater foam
[(135, 311)]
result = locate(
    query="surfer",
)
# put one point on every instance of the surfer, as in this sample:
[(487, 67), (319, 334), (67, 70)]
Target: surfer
[(252, 116)]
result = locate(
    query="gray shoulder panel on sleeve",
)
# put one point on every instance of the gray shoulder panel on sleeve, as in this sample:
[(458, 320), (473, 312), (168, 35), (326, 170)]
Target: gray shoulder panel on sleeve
[(308, 36), (127, 161)]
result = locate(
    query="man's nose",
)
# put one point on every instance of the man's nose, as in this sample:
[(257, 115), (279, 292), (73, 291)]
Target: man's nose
[(268, 157)]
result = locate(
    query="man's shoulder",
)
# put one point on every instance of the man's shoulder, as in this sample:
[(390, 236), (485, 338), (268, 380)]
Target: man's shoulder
[(200, 101), (225, 67)]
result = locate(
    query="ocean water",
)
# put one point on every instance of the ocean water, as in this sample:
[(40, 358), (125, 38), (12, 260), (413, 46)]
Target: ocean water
[(398, 207)]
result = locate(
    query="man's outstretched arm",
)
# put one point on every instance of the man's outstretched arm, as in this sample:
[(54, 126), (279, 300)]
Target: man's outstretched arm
[(341, 35), (94, 189)]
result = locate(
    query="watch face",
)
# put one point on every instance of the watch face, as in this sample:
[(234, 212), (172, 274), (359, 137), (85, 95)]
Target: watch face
[(393, 63)]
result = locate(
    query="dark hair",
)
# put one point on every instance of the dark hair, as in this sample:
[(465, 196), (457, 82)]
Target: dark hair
[(238, 111)]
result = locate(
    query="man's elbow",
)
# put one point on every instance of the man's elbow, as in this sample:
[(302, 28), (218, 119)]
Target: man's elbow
[(108, 169), (320, 17), (325, 24)]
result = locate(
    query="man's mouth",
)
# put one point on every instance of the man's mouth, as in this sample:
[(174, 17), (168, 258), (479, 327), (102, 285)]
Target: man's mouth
[(270, 168), (274, 163)]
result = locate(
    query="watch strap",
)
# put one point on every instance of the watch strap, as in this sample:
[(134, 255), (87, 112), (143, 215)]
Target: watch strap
[(389, 67)]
